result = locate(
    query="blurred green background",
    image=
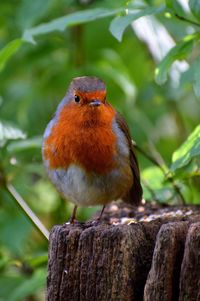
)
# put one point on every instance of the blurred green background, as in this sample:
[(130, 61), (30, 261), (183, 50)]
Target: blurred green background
[(159, 99)]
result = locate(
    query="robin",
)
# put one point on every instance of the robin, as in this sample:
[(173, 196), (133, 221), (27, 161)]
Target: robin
[(87, 149)]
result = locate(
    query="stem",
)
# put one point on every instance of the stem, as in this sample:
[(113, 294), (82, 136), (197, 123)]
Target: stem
[(168, 174), (79, 53), (168, 177), (187, 20), (150, 158), (31, 215)]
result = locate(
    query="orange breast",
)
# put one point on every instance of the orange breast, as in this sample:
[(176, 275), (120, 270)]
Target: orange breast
[(83, 136)]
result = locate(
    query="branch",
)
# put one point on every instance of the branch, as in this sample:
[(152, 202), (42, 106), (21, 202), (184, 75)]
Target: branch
[(22, 204), (169, 178), (168, 174), (187, 20), (27, 210)]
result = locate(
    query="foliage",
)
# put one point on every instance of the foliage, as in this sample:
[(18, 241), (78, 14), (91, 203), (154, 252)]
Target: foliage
[(8, 132), (188, 150), (152, 69)]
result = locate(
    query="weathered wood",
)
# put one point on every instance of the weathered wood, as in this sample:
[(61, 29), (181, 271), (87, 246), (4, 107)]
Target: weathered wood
[(163, 279), (190, 270), (128, 260)]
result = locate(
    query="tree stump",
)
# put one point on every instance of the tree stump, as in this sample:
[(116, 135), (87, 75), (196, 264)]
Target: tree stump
[(155, 256)]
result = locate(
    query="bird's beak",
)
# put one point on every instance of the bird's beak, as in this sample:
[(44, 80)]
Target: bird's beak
[(95, 103)]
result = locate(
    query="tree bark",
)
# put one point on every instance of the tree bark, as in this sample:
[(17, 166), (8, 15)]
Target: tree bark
[(190, 268), (146, 258)]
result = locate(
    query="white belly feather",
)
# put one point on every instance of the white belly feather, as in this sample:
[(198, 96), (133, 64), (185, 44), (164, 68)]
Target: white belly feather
[(84, 190)]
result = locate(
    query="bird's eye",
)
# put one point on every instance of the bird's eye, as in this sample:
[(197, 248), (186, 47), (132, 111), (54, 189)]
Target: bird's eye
[(77, 98)]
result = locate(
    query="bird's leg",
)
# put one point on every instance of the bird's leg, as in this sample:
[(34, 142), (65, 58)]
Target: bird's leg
[(73, 216), (102, 210)]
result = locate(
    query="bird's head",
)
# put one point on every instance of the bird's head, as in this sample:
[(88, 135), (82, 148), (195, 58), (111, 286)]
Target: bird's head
[(86, 91)]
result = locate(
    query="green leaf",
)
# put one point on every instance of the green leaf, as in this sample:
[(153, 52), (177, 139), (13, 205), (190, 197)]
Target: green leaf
[(9, 50), (29, 286), (33, 10), (192, 76), (175, 6), (112, 62), (119, 24), (195, 8), (192, 169), (154, 176), (14, 219), (155, 179), (188, 150), (44, 198), (9, 132), (180, 51), (62, 23), (38, 260), (31, 143), (59, 24), (196, 81), (8, 283)]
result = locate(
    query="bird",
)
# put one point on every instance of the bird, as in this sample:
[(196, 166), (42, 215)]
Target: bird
[(87, 149)]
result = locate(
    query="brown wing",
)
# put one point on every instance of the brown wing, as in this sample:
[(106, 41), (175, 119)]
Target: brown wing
[(134, 196)]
